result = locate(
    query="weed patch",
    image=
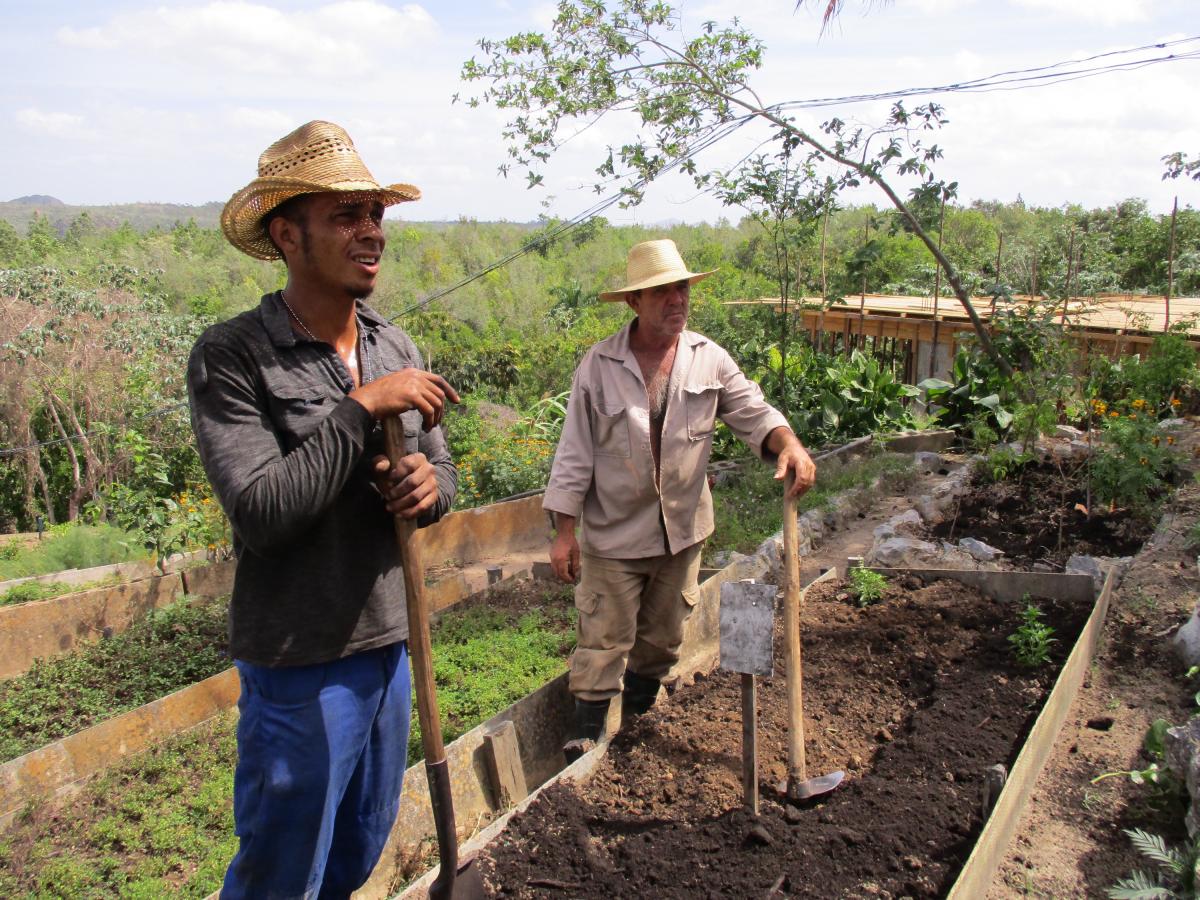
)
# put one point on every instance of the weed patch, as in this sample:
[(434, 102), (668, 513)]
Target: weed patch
[(748, 508), (167, 650)]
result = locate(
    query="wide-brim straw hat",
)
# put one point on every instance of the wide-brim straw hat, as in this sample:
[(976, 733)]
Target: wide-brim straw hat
[(650, 264), (315, 158)]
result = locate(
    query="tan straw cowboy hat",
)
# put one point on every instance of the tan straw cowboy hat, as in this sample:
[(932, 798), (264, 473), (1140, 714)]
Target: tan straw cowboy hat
[(315, 158), (650, 264)]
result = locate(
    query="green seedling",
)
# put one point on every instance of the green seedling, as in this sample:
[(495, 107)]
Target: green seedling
[(867, 585), (1031, 641)]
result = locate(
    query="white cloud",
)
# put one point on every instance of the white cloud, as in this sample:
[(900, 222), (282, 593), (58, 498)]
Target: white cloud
[(1104, 12), (53, 124), (238, 37)]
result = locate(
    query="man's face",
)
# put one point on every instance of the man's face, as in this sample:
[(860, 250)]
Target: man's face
[(336, 241), (662, 310)]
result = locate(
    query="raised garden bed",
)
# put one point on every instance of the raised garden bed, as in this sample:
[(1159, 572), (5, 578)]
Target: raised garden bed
[(916, 697), (1039, 515), (492, 650)]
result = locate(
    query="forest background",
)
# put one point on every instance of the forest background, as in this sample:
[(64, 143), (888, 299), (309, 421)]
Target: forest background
[(97, 319)]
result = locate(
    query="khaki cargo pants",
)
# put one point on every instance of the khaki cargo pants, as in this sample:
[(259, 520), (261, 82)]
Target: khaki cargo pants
[(631, 609)]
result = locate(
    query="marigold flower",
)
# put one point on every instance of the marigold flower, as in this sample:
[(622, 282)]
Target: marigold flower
[(1175, 401), (1170, 440), (1114, 415), (1142, 461)]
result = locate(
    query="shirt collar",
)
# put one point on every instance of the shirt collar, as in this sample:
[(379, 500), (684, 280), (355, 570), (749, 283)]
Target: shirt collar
[(617, 347), (279, 328)]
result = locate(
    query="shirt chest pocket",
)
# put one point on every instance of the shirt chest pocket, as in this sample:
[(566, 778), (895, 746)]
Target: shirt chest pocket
[(610, 431), (298, 411), (701, 402)]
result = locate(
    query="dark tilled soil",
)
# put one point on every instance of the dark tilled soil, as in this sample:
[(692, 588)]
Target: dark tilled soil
[(1039, 517), (914, 697)]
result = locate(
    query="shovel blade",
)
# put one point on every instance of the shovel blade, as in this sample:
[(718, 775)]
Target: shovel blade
[(467, 884), (798, 791)]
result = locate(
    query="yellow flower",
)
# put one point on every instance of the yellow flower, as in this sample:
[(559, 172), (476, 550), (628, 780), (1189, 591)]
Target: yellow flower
[(1138, 404), (1174, 401), (1114, 415), (1154, 440), (1170, 440), (1142, 461)]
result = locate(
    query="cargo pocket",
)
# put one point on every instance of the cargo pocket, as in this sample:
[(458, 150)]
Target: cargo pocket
[(610, 433), (586, 601), (701, 403)]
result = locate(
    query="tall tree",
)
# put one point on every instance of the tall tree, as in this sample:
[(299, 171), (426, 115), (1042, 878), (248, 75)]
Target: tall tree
[(686, 93)]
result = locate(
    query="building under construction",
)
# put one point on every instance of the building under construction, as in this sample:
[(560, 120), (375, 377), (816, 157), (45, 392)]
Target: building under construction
[(920, 335)]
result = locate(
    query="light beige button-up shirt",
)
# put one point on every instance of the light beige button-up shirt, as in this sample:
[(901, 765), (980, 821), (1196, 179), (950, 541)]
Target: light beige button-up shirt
[(603, 470)]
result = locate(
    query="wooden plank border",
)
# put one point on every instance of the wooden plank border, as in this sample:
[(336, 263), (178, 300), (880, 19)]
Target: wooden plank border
[(991, 846)]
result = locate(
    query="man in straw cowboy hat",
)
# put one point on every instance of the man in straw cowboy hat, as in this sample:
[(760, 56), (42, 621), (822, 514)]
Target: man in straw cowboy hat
[(631, 467), (286, 403)]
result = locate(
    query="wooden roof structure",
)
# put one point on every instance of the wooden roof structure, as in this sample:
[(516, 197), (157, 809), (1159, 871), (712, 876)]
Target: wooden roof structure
[(1126, 323)]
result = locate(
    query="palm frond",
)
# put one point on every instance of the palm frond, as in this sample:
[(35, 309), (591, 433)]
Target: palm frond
[(1139, 886)]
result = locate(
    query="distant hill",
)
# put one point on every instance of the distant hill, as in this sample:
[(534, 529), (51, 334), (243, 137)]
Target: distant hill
[(141, 216), (39, 200)]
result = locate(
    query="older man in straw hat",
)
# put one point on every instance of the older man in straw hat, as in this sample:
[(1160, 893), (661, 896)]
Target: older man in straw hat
[(286, 404), (631, 467)]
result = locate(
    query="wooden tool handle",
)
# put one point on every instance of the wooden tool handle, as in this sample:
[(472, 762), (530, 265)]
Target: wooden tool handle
[(797, 766), (419, 649)]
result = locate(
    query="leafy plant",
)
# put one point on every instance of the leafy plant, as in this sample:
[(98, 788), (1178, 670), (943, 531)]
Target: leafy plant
[(1176, 874), (1131, 466), (868, 586), (1031, 641), (1003, 463)]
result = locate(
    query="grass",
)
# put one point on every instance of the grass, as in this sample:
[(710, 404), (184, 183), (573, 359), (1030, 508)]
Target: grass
[(162, 824), (75, 547), (748, 508), (167, 650), (28, 591)]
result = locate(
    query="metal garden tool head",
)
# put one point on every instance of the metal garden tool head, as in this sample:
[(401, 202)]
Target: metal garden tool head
[(798, 786), (747, 623)]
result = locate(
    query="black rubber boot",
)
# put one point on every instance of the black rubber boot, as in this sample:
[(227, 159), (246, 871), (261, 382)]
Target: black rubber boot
[(638, 696), (590, 716)]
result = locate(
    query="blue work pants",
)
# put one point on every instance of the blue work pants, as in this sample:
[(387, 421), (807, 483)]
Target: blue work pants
[(321, 757)]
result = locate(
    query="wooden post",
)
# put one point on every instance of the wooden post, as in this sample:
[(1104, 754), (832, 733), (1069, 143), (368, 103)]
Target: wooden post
[(503, 758), (1171, 267), (750, 743), (1067, 290), (937, 289)]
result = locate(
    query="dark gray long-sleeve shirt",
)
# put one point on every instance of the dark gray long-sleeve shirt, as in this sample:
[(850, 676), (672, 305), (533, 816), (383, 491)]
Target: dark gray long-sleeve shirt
[(289, 456)]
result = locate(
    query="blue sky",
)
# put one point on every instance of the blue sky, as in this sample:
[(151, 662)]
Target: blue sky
[(172, 101)]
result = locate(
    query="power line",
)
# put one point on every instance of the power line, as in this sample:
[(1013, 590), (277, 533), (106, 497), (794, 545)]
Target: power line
[(1015, 79), (1020, 79)]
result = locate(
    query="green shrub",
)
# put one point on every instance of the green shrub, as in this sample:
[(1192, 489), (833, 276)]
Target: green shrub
[(868, 586), (1135, 459)]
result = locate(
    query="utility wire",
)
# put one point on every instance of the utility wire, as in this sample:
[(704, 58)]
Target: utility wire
[(1015, 79)]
